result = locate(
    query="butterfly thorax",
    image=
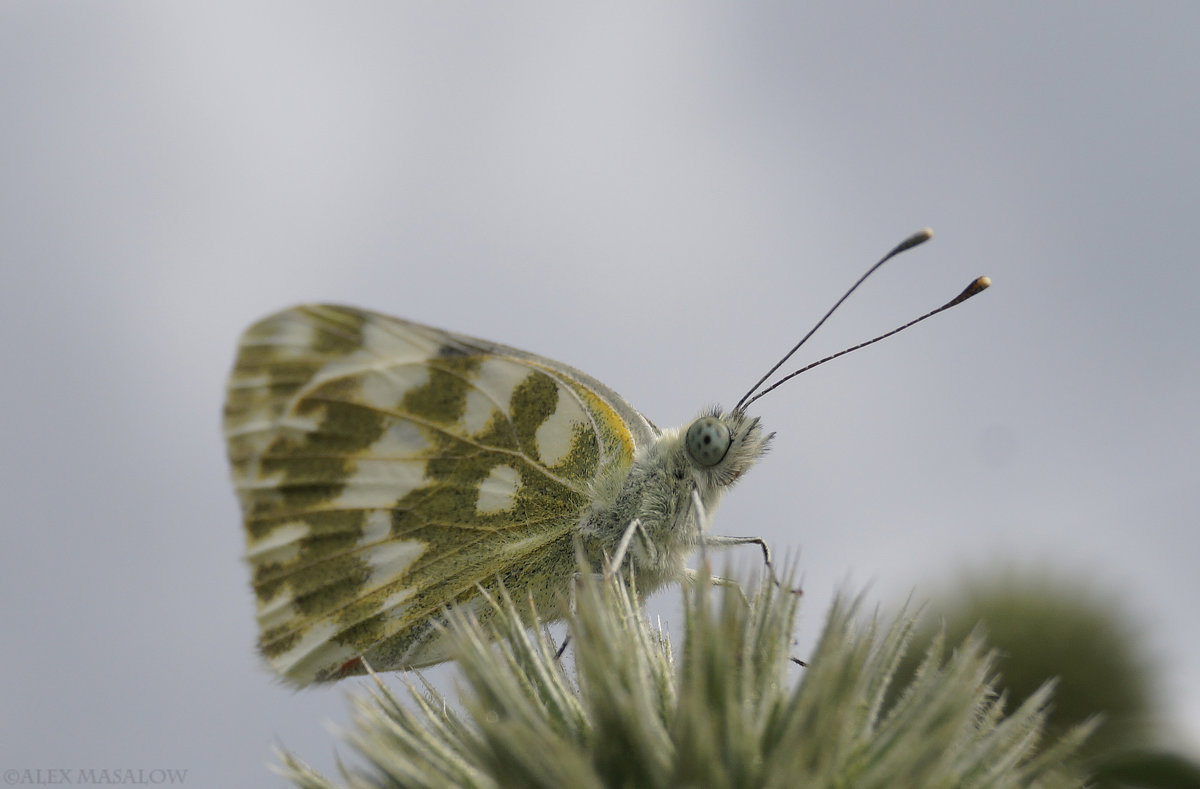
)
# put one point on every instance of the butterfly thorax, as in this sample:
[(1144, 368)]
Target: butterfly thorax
[(706, 456)]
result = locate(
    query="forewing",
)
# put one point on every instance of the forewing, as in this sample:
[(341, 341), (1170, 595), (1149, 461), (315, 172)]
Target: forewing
[(387, 469)]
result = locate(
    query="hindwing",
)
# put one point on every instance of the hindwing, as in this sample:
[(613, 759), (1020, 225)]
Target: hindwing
[(387, 470)]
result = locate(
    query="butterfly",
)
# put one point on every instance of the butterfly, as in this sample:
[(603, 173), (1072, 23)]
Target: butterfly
[(388, 470)]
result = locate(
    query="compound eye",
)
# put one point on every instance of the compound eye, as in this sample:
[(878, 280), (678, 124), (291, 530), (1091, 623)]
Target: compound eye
[(707, 441)]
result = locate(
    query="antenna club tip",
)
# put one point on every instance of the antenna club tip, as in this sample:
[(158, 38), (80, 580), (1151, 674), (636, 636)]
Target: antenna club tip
[(916, 239), (975, 288)]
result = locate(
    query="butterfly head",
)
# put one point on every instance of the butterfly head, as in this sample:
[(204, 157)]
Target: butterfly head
[(722, 446)]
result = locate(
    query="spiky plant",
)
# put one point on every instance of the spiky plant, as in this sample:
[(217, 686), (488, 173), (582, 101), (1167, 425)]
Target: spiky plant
[(732, 709), (1047, 622)]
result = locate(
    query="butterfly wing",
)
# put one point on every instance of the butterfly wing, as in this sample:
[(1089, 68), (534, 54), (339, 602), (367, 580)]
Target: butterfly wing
[(387, 469)]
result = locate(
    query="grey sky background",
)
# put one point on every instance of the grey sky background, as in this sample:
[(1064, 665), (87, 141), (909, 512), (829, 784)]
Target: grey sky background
[(664, 195)]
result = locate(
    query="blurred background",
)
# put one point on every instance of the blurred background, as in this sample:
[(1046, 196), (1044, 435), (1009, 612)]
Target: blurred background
[(665, 195)]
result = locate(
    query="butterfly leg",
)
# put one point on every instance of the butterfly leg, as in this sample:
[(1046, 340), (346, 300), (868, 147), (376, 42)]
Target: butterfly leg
[(623, 546), (618, 557), (702, 523), (693, 576), (720, 541), (633, 528)]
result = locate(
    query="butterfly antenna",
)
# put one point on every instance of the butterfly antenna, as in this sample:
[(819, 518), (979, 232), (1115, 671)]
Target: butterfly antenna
[(920, 237), (978, 286)]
